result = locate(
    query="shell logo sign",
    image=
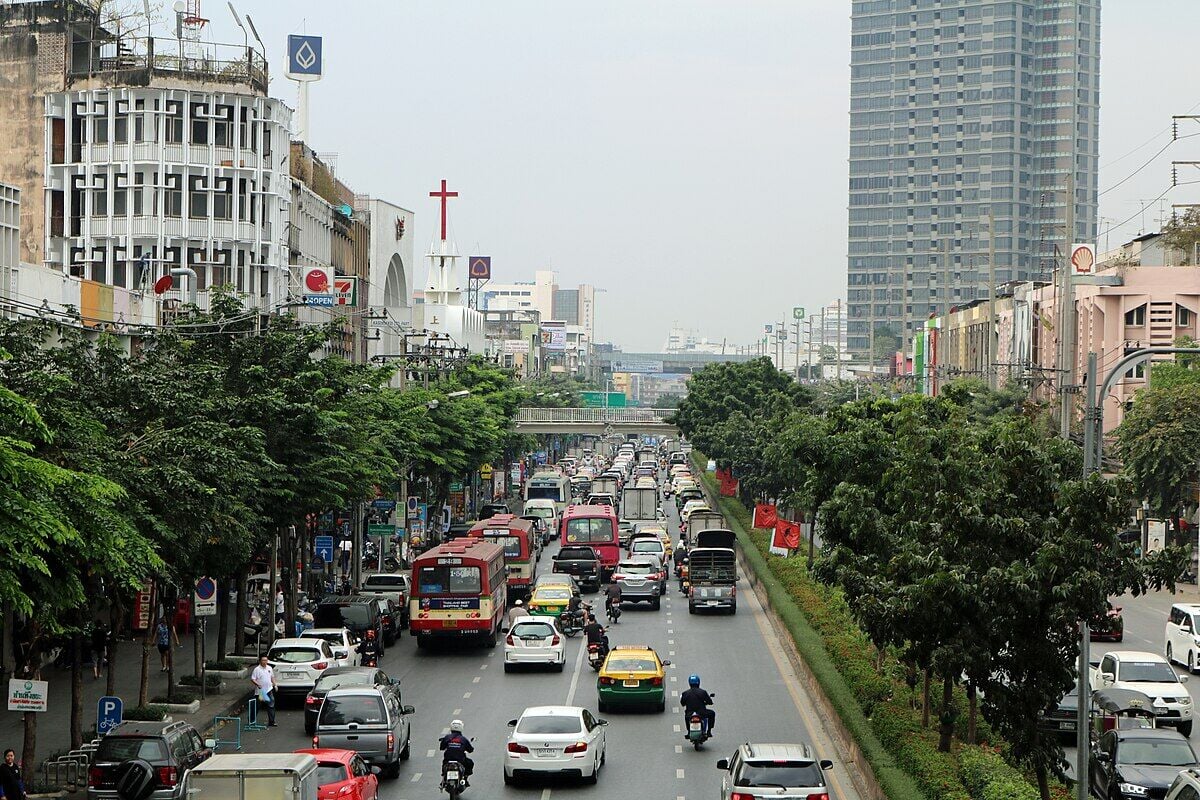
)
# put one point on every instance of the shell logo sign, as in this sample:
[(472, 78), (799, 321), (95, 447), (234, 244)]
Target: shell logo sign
[(1083, 259), (317, 286)]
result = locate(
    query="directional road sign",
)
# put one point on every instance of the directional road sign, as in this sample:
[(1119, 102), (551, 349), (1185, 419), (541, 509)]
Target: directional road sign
[(798, 312), (324, 548)]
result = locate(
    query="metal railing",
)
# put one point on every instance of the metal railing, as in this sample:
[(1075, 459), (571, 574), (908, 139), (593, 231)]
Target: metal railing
[(583, 416), (70, 771), (226, 63)]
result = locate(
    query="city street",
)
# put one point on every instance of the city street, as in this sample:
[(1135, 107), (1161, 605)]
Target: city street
[(737, 657)]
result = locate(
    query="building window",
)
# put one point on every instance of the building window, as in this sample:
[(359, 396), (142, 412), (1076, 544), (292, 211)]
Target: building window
[(173, 196), (100, 123), (173, 123), (99, 266), (223, 199), (121, 194), (1183, 317), (120, 267), (223, 127), (199, 117), (121, 122), (100, 195), (197, 197), (1136, 317)]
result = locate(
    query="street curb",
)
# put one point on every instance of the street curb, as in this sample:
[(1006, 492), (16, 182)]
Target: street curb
[(856, 763)]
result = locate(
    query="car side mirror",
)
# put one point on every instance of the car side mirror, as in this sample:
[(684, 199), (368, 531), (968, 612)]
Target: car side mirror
[(512, 723), (601, 722), (1106, 678), (1102, 756), (826, 763), (406, 710), (1183, 678), (210, 743), (723, 763), (395, 681), (376, 771), (666, 663), (341, 653)]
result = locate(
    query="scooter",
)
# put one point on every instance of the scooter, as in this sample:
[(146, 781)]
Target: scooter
[(454, 779), (697, 729), (614, 613), (596, 654), (571, 623)]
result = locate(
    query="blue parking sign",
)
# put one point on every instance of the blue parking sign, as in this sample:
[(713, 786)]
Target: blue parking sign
[(109, 712)]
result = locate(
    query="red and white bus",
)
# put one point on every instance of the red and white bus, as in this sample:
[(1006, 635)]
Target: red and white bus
[(596, 527), (459, 592), (519, 540)]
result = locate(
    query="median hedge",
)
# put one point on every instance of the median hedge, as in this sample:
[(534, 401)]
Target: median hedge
[(874, 707)]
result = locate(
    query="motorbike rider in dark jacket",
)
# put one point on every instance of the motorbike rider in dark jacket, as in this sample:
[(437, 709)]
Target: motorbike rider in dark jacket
[(455, 746), (596, 635), (697, 701)]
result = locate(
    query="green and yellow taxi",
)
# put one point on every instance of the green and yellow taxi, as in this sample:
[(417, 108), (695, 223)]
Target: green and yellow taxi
[(632, 675), (549, 599)]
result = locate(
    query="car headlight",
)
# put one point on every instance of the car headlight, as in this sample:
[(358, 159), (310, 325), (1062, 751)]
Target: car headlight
[(1186, 700), (1133, 789)]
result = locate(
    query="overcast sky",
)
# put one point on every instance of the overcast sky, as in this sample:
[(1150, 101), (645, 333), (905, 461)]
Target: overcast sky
[(688, 156)]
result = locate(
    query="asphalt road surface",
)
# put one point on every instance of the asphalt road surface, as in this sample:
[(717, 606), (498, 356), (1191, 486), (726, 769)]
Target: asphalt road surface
[(739, 657)]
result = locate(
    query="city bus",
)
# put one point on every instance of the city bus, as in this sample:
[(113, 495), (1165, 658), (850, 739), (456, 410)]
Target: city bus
[(549, 485), (521, 545), (596, 527), (459, 592)]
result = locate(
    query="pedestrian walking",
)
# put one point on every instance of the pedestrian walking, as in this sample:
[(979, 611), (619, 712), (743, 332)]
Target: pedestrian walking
[(12, 785), (99, 648), (164, 633), (263, 678), (279, 604)]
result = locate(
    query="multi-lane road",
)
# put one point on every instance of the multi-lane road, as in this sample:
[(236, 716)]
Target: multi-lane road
[(759, 699)]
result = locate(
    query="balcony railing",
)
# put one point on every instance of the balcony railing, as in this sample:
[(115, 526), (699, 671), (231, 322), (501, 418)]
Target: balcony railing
[(223, 63)]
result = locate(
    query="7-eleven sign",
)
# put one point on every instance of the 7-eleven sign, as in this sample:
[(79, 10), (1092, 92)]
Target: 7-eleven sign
[(345, 291)]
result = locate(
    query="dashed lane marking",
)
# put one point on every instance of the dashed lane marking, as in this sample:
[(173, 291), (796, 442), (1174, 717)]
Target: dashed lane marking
[(416, 777), (475, 679), (574, 679), (678, 748), (430, 753), (679, 773), (677, 729), (456, 712), (466, 695), (674, 679)]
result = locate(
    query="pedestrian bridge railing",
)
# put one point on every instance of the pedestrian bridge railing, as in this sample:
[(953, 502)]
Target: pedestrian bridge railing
[(593, 416)]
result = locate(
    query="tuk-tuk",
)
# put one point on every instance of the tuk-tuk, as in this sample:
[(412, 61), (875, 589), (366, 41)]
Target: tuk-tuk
[(1120, 709)]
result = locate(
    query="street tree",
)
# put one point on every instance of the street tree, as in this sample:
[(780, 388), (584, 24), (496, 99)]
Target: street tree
[(1156, 441)]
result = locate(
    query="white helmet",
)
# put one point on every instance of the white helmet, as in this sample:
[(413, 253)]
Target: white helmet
[(519, 602), (456, 725)]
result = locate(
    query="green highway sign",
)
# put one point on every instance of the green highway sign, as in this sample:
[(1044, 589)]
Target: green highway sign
[(798, 312), (381, 531), (456, 486)]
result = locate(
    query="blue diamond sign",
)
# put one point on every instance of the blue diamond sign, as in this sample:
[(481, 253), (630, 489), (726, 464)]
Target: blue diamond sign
[(304, 61)]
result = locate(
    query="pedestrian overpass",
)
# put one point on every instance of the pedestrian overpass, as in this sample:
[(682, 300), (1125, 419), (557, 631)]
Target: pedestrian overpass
[(595, 421)]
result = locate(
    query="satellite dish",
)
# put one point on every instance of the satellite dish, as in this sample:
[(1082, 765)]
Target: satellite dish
[(163, 284)]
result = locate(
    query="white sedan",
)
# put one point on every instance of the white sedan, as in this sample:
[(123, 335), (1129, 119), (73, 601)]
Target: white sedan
[(535, 640), (555, 740)]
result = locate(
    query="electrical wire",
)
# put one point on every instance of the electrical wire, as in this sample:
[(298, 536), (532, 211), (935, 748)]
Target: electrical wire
[(1146, 164)]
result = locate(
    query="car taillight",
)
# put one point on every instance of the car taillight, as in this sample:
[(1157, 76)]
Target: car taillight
[(513, 747), (391, 745), (347, 789), (733, 593), (167, 776), (320, 665), (656, 681), (554, 640), (741, 796), (606, 681), (316, 741), (819, 796), (580, 747), (312, 701), (509, 640), (691, 592), (96, 777)]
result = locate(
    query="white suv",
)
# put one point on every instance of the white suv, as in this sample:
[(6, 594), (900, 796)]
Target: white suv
[(1183, 635), (1150, 674), (299, 662)]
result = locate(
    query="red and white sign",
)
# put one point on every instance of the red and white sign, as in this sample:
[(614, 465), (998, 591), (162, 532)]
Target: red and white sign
[(317, 280), (1083, 259), (345, 290)]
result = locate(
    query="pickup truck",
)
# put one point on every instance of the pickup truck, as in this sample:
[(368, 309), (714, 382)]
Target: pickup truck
[(392, 585), (582, 564), (1150, 674), (712, 572)]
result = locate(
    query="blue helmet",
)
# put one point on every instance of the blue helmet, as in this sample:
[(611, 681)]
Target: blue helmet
[(693, 680)]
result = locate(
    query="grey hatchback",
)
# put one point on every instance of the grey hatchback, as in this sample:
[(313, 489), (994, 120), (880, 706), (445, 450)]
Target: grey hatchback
[(760, 771)]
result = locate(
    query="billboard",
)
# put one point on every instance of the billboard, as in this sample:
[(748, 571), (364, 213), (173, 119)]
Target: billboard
[(345, 290), (638, 365), (316, 286), (514, 346), (554, 335), (479, 267), (1083, 259), (304, 62)]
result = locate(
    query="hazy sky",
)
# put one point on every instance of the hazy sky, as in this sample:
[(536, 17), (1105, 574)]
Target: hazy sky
[(688, 156)]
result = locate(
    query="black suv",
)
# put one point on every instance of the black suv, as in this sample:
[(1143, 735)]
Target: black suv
[(357, 613), (170, 748)]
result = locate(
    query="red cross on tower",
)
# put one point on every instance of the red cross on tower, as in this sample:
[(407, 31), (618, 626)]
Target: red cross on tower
[(444, 195)]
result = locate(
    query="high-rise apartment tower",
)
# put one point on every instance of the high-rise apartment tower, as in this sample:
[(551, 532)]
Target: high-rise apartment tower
[(958, 109)]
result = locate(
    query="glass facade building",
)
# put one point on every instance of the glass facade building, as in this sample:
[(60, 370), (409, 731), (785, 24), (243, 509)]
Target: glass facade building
[(958, 109)]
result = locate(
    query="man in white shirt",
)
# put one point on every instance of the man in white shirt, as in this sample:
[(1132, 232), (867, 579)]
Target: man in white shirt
[(263, 678)]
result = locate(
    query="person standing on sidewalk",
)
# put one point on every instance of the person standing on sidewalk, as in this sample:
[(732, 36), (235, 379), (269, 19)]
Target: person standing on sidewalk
[(12, 785), (99, 648), (164, 632), (263, 678)]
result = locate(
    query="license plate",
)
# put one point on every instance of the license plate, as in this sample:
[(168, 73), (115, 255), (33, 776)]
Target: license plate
[(695, 726), (631, 684), (713, 603), (544, 753), (452, 776), (1070, 726), (449, 623)]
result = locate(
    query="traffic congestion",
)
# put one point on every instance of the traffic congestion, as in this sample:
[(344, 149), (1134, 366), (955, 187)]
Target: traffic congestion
[(584, 638)]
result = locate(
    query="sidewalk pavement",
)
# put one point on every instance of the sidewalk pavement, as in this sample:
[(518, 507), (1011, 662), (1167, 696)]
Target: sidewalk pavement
[(54, 725)]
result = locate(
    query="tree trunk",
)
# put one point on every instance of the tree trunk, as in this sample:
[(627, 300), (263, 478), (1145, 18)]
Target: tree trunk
[(29, 743), (29, 667), (172, 604), (946, 718), (925, 699), (972, 713), (241, 613), (222, 619), (1043, 782), (287, 576), (76, 690), (114, 630)]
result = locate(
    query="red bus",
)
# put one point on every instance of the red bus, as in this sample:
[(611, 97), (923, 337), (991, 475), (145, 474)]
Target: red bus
[(458, 592), (520, 547), (595, 526)]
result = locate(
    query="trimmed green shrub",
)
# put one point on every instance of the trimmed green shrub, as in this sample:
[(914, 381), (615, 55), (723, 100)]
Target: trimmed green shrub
[(987, 776), (224, 665), (150, 713), (178, 698)]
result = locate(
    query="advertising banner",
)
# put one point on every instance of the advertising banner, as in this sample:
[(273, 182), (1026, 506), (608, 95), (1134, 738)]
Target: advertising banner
[(304, 61), (554, 335), (1083, 259), (639, 366), (316, 286)]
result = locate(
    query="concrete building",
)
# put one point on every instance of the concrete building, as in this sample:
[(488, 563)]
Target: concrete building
[(958, 109), (10, 246), (544, 295), (391, 282)]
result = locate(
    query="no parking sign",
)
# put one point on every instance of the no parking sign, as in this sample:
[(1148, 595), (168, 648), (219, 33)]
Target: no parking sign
[(205, 603)]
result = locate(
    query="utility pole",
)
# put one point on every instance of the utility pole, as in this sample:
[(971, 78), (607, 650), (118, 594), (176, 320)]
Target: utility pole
[(796, 328), (821, 349), (809, 324), (1067, 337), (837, 333), (993, 343)]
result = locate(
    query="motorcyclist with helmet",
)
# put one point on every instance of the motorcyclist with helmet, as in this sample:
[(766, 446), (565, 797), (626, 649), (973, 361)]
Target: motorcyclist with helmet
[(455, 746), (697, 701), (596, 635)]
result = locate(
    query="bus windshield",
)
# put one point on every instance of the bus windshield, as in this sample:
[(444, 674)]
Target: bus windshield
[(586, 530), (434, 580)]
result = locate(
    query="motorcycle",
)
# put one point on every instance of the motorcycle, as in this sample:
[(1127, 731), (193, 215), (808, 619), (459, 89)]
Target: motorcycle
[(614, 613), (683, 578), (596, 654), (697, 729), (454, 779), (571, 623)]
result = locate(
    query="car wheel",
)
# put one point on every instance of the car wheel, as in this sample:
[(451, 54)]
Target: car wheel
[(309, 730), (1170, 654), (662, 706), (656, 603), (508, 668), (1191, 664), (733, 609), (392, 771), (602, 706), (560, 666), (1186, 728), (490, 641), (691, 608), (510, 780), (591, 779)]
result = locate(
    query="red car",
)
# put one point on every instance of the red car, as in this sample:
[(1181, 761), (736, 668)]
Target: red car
[(343, 775)]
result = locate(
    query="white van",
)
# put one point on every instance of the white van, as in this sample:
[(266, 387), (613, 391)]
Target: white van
[(1183, 635), (547, 510)]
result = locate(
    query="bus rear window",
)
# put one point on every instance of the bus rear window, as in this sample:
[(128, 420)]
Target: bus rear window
[(448, 580), (551, 492), (588, 530), (512, 544)]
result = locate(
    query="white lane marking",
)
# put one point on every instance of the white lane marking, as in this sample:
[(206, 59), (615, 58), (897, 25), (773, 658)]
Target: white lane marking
[(670, 641), (491, 655), (678, 748), (545, 794), (675, 693), (674, 679), (416, 777), (670, 652), (676, 729), (483, 666), (475, 679), (430, 753), (456, 712), (575, 678), (679, 773), (670, 630), (466, 695)]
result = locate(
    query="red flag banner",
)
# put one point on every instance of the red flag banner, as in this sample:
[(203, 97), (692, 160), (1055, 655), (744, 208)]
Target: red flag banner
[(765, 515), (729, 486), (787, 534)]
